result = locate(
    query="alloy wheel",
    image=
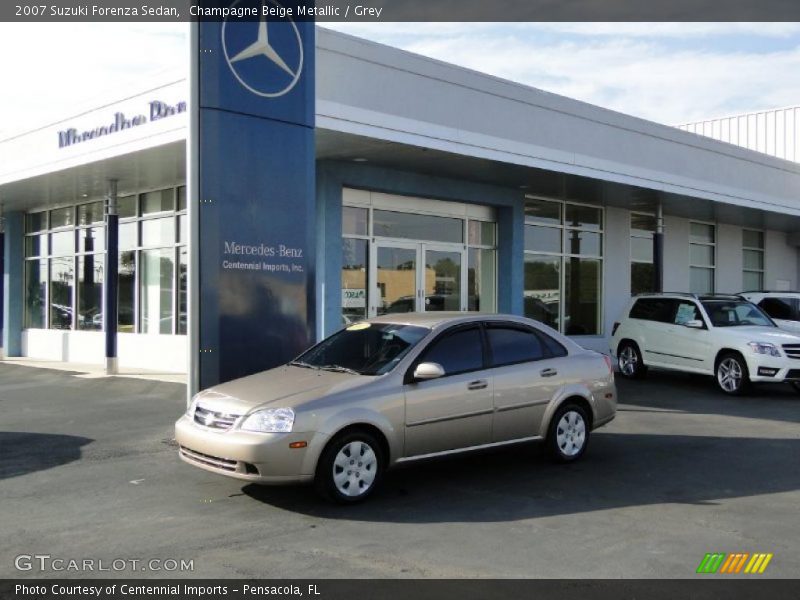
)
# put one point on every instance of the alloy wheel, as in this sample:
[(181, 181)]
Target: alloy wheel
[(730, 375), (628, 360)]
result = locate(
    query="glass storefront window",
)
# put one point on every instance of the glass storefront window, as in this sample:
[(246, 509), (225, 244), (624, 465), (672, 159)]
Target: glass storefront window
[(62, 281), (62, 217), (35, 222), (582, 285), (417, 227), (126, 282), (354, 280), (542, 298), (542, 239), (128, 235), (158, 232), (642, 276), (481, 233), (643, 226), (36, 245), (126, 207), (35, 294), (89, 214), (91, 239), (753, 259), (481, 280), (181, 197), (442, 280), (701, 232), (183, 229), (62, 243), (642, 249), (701, 280), (155, 290), (583, 242), (354, 220), (183, 274), (158, 201), (583, 217), (542, 211), (90, 292)]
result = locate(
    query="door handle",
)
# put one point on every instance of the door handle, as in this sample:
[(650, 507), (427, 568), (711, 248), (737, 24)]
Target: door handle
[(548, 372), (478, 384)]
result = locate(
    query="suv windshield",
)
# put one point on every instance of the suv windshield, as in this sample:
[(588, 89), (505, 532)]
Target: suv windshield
[(363, 348), (731, 313)]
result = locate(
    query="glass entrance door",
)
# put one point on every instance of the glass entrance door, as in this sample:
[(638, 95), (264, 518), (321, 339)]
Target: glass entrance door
[(416, 277)]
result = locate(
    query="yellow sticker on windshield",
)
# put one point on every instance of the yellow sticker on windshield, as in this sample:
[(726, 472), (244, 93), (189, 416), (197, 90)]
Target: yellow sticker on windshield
[(359, 326)]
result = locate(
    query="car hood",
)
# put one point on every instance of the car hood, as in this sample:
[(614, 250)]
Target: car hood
[(282, 387), (755, 333)]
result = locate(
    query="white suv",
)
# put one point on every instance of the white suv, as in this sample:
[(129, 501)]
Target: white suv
[(724, 336), (783, 307)]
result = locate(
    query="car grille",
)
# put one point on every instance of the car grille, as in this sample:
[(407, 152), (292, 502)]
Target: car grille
[(225, 464), (214, 420), (792, 350)]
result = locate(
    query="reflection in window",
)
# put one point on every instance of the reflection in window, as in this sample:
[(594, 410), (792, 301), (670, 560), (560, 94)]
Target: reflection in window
[(354, 280), (35, 294), (482, 280), (582, 287), (542, 299), (155, 290), (62, 280), (90, 292), (417, 227), (458, 352), (183, 272), (126, 291), (643, 227)]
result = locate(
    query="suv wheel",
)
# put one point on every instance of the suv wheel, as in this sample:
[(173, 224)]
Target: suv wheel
[(568, 434), (629, 361), (350, 468), (731, 374)]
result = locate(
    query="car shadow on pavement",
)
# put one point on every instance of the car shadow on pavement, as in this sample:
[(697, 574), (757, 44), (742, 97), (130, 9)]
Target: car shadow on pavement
[(699, 394), (22, 453), (521, 483)]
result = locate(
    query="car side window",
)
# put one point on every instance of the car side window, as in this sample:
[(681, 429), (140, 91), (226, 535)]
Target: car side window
[(778, 308), (687, 311), (654, 309), (457, 352), (512, 345), (554, 348)]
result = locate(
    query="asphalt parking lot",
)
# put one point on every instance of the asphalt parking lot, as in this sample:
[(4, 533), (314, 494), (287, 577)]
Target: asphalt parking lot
[(88, 469)]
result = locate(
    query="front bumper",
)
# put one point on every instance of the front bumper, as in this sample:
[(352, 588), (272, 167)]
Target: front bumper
[(256, 457), (763, 369)]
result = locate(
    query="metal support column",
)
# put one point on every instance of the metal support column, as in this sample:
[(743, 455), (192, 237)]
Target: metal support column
[(110, 292), (658, 250)]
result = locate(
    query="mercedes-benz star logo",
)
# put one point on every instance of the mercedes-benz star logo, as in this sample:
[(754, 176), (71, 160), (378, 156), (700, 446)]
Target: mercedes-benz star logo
[(268, 58)]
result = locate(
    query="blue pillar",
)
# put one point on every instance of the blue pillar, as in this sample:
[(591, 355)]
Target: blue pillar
[(110, 282), (329, 250), (510, 255), (13, 260)]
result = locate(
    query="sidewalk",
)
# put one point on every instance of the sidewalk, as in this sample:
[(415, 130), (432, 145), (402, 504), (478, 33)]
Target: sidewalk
[(91, 371)]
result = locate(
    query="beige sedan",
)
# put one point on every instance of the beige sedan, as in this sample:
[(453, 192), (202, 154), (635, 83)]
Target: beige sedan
[(399, 388)]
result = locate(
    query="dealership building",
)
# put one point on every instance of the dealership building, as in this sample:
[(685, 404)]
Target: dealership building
[(430, 187)]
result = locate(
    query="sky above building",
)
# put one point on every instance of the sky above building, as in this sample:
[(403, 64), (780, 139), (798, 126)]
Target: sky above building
[(671, 73)]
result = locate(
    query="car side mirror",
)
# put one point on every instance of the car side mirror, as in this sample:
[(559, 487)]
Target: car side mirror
[(428, 370), (694, 324)]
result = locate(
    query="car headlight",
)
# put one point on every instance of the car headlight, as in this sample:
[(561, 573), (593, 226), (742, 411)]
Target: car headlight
[(764, 348), (270, 420)]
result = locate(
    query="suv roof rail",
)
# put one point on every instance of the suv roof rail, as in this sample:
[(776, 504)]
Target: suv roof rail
[(687, 294), (771, 292), (736, 296)]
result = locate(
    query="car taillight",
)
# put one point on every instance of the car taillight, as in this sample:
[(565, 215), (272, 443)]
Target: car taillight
[(609, 364), (614, 328)]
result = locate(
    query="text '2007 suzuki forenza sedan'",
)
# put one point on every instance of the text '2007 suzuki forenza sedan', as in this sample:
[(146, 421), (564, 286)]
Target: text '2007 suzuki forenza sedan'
[(397, 388)]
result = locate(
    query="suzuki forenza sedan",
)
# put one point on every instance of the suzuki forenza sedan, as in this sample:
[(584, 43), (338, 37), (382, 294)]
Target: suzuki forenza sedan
[(398, 388)]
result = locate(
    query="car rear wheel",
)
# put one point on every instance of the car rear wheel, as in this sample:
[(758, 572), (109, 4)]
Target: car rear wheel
[(568, 435), (350, 467), (732, 375), (629, 361)]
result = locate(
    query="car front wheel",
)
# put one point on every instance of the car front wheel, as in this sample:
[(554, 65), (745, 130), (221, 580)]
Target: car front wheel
[(731, 374), (629, 361), (350, 468), (569, 433)]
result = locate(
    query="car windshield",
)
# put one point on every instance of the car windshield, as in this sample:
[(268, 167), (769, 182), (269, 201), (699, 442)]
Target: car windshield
[(732, 313), (363, 348)]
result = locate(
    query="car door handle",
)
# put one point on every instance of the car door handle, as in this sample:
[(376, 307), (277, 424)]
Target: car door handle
[(478, 384), (548, 372)]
